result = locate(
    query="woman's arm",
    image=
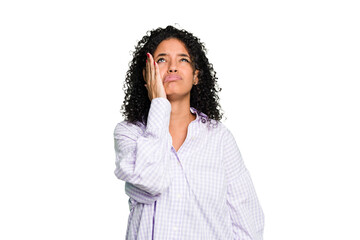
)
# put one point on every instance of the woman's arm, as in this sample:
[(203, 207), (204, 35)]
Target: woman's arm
[(245, 211), (143, 160)]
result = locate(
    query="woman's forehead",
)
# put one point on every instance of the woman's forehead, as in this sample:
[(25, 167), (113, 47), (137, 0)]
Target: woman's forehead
[(171, 46)]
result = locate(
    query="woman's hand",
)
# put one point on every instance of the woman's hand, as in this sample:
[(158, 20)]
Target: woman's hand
[(153, 80)]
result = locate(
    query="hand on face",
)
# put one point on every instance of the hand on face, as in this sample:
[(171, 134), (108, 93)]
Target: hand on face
[(153, 80)]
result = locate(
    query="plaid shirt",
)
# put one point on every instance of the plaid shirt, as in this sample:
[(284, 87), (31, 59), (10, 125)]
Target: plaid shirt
[(202, 191)]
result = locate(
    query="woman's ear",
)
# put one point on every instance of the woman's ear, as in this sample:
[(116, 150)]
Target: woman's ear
[(196, 79)]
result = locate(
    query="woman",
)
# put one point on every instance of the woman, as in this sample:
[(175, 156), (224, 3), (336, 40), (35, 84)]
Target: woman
[(182, 168)]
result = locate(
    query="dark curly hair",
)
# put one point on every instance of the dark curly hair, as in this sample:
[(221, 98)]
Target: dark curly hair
[(203, 96)]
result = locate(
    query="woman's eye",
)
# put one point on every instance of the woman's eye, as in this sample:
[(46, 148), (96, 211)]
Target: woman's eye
[(184, 60), (160, 60)]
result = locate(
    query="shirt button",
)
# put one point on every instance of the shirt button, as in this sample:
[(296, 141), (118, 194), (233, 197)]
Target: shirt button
[(203, 120)]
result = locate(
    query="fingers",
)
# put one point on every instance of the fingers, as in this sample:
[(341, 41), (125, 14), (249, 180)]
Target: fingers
[(160, 86), (150, 75), (150, 71), (158, 77), (157, 73), (150, 68), (147, 72)]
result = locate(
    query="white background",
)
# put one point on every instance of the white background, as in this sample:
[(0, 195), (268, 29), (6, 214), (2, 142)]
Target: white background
[(290, 76)]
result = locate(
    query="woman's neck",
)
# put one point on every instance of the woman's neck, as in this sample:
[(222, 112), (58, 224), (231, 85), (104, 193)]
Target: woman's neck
[(181, 115)]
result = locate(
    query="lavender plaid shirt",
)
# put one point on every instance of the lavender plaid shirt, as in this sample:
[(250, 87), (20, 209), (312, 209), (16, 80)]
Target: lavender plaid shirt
[(202, 191)]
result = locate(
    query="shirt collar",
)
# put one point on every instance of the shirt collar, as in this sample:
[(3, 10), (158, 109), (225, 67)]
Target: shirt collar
[(199, 115)]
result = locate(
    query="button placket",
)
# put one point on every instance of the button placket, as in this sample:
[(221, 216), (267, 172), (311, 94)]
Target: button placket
[(178, 196)]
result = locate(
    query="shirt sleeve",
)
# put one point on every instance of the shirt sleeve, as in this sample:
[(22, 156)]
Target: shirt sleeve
[(245, 211), (143, 159)]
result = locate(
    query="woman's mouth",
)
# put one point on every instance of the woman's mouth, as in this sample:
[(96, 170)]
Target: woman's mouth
[(172, 77)]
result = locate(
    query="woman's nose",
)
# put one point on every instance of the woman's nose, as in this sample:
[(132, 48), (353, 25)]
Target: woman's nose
[(172, 67)]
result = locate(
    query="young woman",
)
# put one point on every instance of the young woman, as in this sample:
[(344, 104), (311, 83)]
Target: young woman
[(183, 171)]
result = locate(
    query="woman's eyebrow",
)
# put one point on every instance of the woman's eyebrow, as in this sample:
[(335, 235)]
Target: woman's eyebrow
[(183, 55), (166, 54), (162, 54)]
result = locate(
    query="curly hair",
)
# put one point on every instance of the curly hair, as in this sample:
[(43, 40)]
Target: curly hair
[(203, 96)]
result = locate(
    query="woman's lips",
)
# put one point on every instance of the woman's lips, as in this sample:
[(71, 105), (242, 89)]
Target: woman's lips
[(170, 78)]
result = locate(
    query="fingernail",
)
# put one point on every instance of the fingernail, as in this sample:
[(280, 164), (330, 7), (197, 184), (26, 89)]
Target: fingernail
[(147, 54)]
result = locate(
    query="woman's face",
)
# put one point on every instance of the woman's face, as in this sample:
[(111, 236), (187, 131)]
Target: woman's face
[(176, 68)]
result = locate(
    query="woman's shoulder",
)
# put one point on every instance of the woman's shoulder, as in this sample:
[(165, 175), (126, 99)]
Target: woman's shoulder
[(214, 128), (211, 125), (125, 126)]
